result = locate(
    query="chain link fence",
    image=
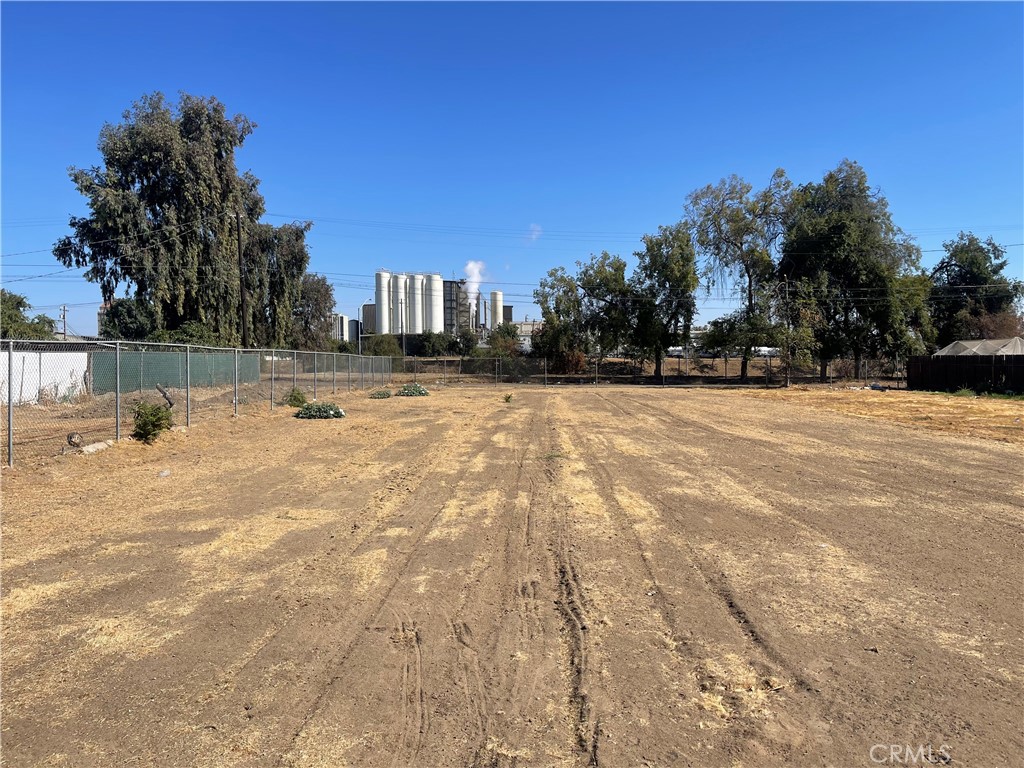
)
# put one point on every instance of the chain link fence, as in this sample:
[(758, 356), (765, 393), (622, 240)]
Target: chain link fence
[(765, 371), (57, 395)]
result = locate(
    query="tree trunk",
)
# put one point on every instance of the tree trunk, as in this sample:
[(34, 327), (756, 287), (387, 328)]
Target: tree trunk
[(750, 316), (823, 370), (657, 369)]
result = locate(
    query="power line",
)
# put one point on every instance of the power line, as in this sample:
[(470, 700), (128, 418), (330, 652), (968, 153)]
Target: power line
[(132, 238)]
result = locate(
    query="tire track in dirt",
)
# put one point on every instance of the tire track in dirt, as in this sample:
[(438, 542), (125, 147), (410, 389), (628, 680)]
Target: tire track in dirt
[(205, 621), (868, 602), (715, 585), (468, 589), (731, 714), (415, 502), (636, 672)]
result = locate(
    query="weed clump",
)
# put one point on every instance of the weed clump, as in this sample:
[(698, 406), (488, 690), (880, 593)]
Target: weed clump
[(412, 390), (296, 398), (380, 394), (320, 411), (150, 421)]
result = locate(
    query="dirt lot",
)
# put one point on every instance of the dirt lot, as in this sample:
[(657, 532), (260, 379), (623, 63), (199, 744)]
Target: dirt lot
[(582, 576)]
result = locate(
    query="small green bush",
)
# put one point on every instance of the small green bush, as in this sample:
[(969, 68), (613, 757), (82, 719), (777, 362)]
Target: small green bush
[(296, 398), (412, 390), (965, 392), (508, 398), (150, 421), (380, 394), (320, 411)]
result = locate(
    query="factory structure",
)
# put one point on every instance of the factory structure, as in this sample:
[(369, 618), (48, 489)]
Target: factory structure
[(414, 303)]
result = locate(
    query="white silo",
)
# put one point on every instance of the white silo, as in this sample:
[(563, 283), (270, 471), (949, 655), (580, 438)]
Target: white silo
[(415, 299), (399, 304), (434, 303), (382, 302), (497, 300), (481, 310)]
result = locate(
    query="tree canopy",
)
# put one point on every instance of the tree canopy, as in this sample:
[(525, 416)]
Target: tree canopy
[(15, 322), (970, 296), (168, 212), (662, 290), (861, 270), (736, 232)]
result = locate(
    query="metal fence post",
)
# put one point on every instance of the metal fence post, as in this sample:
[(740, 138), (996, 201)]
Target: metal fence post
[(348, 366), (497, 362), (188, 386), (117, 390), (596, 363), (236, 382), (334, 376), (372, 381), (314, 375), (444, 372), (545, 371), (273, 363), (10, 404)]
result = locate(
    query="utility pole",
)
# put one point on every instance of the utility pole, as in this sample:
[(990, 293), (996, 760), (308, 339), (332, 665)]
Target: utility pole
[(64, 319), (241, 281)]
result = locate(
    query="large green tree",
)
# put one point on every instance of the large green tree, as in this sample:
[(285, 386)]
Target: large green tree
[(605, 305), (15, 322), (167, 210), (736, 231), (842, 249), (312, 315), (970, 296), (276, 259), (128, 319), (564, 338), (662, 293)]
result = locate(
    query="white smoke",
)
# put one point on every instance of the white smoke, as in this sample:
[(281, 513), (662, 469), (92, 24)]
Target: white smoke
[(474, 276)]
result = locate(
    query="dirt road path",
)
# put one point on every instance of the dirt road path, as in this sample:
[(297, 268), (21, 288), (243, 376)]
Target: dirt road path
[(578, 577)]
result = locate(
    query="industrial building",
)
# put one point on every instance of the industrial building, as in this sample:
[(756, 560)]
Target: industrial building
[(339, 327), (408, 303), (414, 303)]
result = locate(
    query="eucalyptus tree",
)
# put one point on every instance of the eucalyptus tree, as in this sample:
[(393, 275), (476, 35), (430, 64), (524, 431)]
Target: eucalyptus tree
[(169, 213), (736, 231)]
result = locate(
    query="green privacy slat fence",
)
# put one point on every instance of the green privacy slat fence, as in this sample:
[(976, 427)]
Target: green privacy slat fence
[(144, 370)]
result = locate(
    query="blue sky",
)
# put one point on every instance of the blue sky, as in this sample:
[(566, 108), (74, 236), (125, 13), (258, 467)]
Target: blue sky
[(524, 135)]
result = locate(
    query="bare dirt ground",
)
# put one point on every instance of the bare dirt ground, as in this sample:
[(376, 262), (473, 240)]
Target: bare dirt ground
[(581, 576)]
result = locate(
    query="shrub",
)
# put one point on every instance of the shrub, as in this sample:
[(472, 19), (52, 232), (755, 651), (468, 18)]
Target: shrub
[(296, 398), (150, 421), (965, 392), (320, 411), (380, 394), (412, 390), (508, 398)]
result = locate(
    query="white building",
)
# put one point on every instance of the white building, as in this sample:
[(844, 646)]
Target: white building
[(408, 303), (339, 327)]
